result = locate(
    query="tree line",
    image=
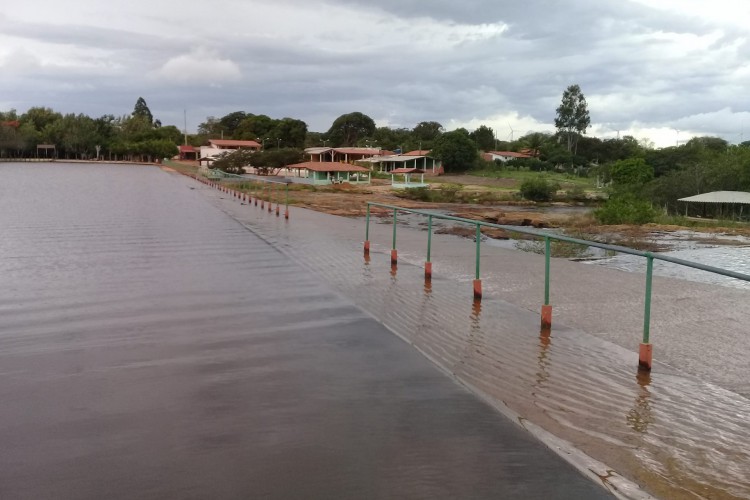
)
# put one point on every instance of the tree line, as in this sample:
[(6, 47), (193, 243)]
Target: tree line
[(134, 137), (701, 164)]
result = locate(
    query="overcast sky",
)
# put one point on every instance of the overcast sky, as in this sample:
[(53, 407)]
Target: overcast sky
[(661, 69)]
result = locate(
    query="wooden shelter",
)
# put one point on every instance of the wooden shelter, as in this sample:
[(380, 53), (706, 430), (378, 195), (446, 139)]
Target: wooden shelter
[(407, 182), (325, 172), (722, 203), (46, 148)]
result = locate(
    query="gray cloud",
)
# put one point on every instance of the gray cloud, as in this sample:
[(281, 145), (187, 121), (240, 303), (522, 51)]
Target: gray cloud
[(472, 62)]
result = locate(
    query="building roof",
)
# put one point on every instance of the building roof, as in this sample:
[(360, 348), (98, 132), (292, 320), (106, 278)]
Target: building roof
[(358, 151), (392, 158), (406, 171), (741, 197), (346, 151), (232, 143), (418, 152), (328, 166), (187, 149), (509, 154), (317, 151)]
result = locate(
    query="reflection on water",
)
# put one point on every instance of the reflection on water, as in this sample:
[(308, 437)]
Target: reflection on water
[(639, 417), (545, 341)]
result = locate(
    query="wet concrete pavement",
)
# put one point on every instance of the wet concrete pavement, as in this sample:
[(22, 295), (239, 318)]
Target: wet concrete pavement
[(152, 347), (679, 432)]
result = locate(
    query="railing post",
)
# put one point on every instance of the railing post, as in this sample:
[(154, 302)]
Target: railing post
[(286, 203), (270, 198), (477, 281), (645, 352), (428, 264), (546, 308), (278, 200), (394, 253), (367, 230), (262, 200)]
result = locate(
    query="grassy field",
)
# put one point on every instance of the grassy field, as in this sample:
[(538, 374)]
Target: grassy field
[(565, 180)]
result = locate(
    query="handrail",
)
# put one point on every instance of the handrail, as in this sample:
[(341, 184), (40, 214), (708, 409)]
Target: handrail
[(253, 192), (568, 239), (645, 352), (227, 175)]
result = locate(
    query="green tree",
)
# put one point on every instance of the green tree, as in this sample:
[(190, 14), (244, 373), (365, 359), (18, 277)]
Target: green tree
[(572, 116), (231, 122), (140, 110), (456, 150), (535, 141), (484, 137), (268, 161), (289, 133), (210, 128), (41, 117), (712, 144), (426, 133), (632, 172), (255, 127), (347, 129)]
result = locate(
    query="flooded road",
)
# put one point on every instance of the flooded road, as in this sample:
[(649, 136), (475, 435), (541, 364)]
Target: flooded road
[(152, 347), (680, 432)]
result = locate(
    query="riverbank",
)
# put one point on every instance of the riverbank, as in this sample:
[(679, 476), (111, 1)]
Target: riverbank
[(574, 218)]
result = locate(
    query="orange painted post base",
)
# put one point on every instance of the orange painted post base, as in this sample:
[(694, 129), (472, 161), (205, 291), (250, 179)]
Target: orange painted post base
[(645, 355), (262, 204), (546, 317), (269, 206), (478, 289), (256, 201), (428, 271), (394, 257), (277, 210), (367, 248), (286, 213)]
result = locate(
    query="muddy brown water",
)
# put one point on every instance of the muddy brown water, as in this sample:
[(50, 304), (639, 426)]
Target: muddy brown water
[(680, 432)]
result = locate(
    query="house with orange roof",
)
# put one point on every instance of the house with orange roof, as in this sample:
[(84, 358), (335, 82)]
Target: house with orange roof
[(216, 147)]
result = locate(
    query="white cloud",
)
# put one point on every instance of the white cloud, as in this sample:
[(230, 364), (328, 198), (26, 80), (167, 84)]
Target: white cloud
[(19, 61), (201, 66)]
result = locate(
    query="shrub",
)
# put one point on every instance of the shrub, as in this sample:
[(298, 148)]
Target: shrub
[(538, 189), (576, 193), (625, 209)]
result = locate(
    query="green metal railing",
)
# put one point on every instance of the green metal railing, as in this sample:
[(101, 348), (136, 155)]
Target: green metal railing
[(548, 237)]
